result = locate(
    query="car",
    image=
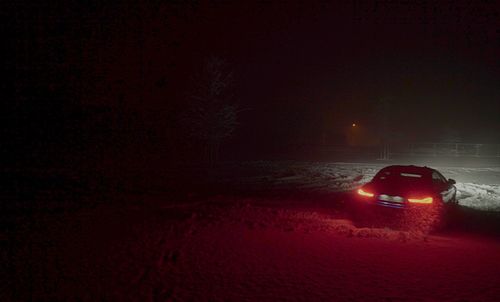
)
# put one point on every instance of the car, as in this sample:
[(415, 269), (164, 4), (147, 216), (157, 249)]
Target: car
[(420, 195)]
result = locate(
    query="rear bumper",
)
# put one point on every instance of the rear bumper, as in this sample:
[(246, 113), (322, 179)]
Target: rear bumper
[(389, 204), (408, 217), (391, 208)]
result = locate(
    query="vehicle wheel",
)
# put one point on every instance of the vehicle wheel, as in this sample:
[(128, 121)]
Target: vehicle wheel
[(451, 214)]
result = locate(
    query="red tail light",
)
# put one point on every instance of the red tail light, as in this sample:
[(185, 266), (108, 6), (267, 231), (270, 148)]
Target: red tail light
[(364, 193), (426, 200)]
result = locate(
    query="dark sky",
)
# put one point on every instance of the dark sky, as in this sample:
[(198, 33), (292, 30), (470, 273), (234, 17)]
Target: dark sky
[(438, 63), (303, 69)]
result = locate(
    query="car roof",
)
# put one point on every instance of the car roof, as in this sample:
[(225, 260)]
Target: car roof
[(409, 169)]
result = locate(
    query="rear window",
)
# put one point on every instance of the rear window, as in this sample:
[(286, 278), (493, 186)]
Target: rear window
[(399, 176), (410, 175)]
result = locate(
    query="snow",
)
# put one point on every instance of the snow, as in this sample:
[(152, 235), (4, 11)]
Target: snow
[(248, 248), (240, 250), (477, 188), (479, 196), (262, 254)]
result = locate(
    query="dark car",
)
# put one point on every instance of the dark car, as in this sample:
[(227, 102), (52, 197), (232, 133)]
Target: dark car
[(420, 193)]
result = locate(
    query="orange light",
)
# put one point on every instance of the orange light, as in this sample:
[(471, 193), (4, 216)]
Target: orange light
[(363, 193), (354, 124), (420, 200)]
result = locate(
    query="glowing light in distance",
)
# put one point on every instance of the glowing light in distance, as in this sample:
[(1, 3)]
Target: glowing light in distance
[(354, 124), (426, 200), (363, 193)]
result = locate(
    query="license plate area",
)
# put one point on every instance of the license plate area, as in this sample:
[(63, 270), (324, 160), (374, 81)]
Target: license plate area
[(389, 198), (390, 201)]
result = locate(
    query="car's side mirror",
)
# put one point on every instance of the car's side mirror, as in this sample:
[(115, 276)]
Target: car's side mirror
[(451, 181)]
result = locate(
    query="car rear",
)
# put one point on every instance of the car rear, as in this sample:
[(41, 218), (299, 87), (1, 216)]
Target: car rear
[(399, 195), (399, 188)]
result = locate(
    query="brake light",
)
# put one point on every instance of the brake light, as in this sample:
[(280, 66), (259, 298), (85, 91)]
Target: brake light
[(420, 200), (363, 193)]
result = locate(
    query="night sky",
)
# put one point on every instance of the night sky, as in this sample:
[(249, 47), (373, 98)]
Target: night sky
[(303, 71)]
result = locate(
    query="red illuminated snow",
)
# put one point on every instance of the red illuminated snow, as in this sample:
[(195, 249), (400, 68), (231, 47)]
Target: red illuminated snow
[(241, 251), (253, 248), (257, 254)]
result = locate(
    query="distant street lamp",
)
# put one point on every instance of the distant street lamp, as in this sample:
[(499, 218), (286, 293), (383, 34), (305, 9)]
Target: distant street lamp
[(354, 124)]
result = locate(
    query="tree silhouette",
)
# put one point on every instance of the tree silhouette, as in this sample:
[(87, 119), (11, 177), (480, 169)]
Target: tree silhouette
[(211, 114)]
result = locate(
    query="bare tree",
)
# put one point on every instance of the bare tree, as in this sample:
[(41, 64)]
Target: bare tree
[(211, 115)]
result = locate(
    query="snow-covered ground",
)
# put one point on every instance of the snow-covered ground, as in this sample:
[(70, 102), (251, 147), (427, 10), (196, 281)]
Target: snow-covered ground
[(478, 188), (241, 250), (253, 248), (249, 253)]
